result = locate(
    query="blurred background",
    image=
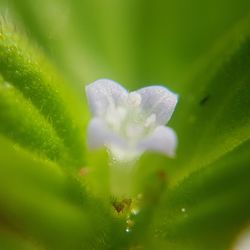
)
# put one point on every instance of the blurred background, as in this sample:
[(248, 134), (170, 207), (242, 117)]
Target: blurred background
[(135, 42), (180, 44)]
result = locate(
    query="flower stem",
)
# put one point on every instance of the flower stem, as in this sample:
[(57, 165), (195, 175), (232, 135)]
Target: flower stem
[(121, 179)]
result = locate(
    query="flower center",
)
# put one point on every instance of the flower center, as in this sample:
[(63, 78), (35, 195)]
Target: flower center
[(134, 99), (129, 120)]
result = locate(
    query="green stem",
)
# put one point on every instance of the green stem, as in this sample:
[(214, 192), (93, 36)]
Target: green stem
[(121, 179)]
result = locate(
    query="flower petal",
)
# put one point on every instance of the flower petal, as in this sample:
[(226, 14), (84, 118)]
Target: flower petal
[(104, 94), (163, 140), (100, 135), (160, 101)]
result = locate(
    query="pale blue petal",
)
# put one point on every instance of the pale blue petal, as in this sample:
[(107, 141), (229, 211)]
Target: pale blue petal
[(104, 94), (158, 100), (163, 140), (100, 135)]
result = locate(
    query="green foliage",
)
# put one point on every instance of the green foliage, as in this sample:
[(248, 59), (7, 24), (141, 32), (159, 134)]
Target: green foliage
[(217, 105), (211, 197), (46, 205), (28, 71), (55, 194), (30, 130)]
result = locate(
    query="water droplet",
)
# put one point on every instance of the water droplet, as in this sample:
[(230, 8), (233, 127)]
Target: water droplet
[(183, 210), (135, 210), (130, 223)]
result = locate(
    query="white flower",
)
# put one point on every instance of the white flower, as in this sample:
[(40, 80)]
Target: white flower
[(129, 123)]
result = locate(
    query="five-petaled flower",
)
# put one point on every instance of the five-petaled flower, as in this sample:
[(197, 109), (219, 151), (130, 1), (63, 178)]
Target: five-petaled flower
[(129, 123)]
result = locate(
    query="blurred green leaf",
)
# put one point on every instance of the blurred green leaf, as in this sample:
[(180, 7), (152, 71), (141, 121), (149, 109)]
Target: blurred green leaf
[(207, 209), (21, 122), (206, 203), (78, 61), (214, 113), (49, 206), (197, 201), (28, 71), (8, 241)]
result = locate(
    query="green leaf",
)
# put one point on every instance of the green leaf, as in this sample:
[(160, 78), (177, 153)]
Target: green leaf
[(206, 203), (28, 71), (8, 241), (215, 117), (39, 200), (77, 60), (21, 121), (198, 200), (216, 205)]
